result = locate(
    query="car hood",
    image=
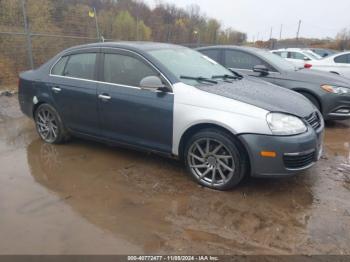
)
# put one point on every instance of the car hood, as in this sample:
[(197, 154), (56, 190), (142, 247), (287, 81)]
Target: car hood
[(264, 95), (317, 77)]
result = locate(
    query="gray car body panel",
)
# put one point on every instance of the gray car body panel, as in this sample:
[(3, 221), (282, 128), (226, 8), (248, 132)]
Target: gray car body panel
[(274, 98), (306, 81)]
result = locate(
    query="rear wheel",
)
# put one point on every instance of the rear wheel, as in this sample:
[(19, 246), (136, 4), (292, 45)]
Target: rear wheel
[(49, 125), (215, 159)]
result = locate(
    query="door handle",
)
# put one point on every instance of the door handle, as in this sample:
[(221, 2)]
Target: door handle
[(104, 97), (56, 89)]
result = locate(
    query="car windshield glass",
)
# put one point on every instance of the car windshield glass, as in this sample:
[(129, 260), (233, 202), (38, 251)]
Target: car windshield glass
[(191, 64), (312, 55), (277, 61)]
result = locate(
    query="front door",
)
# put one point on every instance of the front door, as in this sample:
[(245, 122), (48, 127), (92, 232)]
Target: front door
[(244, 63), (128, 113)]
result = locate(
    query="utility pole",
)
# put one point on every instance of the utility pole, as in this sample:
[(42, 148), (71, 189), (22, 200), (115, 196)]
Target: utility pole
[(281, 31), (271, 33), (28, 35), (97, 28), (298, 29), (137, 27)]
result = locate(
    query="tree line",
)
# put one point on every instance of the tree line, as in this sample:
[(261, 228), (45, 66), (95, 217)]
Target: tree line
[(128, 20)]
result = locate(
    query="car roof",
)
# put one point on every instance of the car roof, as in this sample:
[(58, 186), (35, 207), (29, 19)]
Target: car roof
[(133, 45), (338, 54), (242, 48)]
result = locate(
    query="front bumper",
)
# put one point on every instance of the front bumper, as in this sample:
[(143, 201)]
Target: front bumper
[(293, 153), (337, 107)]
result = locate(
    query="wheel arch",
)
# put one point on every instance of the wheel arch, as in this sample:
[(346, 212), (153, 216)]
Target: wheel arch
[(41, 100), (311, 93), (201, 126)]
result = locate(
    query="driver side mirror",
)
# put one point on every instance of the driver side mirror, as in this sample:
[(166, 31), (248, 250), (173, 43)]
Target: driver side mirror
[(306, 58), (262, 69), (152, 83)]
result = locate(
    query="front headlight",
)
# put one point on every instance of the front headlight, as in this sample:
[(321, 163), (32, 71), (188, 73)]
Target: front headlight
[(335, 89), (284, 124)]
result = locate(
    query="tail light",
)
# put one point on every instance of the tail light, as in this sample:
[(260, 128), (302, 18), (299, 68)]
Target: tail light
[(308, 66)]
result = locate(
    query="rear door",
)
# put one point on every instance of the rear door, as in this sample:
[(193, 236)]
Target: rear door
[(128, 113), (73, 88), (342, 65)]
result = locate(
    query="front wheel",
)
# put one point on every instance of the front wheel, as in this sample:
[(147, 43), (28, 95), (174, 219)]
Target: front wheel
[(49, 125), (215, 159)]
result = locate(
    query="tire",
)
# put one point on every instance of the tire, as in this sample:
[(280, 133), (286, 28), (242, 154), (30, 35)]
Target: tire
[(49, 125), (312, 99), (224, 159)]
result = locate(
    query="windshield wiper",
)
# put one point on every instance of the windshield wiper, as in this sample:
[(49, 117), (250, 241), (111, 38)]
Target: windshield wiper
[(236, 73), (199, 79), (225, 76)]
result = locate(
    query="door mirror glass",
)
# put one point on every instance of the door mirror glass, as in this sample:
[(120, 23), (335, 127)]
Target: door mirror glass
[(151, 82), (262, 69)]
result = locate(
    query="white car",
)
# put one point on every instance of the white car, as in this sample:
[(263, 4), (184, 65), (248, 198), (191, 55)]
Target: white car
[(299, 57), (338, 63)]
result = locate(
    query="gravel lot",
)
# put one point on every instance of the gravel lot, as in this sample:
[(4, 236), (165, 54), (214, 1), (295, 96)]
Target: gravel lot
[(89, 198)]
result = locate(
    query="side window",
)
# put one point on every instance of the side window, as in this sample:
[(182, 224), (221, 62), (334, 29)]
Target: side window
[(125, 70), (243, 60), (283, 54), (343, 59), (296, 55), (81, 66), (59, 66), (212, 53)]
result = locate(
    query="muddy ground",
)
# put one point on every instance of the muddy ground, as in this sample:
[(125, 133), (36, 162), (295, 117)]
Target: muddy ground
[(89, 198)]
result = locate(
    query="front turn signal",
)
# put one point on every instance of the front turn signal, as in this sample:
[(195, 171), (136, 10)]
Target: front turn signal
[(268, 154)]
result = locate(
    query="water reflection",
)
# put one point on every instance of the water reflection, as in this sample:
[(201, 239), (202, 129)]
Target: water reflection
[(151, 201)]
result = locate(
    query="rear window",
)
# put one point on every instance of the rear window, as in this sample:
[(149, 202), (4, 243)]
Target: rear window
[(59, 67), (343, 59), (81, 66)]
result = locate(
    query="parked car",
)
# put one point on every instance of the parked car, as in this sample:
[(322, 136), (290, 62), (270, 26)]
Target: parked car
[(338, 64), (330, 93), (323, 52), (177, 102), (299, 57)]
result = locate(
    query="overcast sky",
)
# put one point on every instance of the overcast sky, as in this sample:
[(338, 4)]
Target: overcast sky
[(320, 18)]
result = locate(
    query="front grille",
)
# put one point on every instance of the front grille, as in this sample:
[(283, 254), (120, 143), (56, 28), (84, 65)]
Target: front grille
[(299, 161), (314, 120)]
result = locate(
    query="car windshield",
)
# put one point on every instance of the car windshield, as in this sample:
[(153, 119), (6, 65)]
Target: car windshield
[(190, 66), (277, 61), (312, 55)]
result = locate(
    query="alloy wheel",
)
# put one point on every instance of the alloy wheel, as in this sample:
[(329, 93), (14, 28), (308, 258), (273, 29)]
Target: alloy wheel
[(47, 125), (211, 162)]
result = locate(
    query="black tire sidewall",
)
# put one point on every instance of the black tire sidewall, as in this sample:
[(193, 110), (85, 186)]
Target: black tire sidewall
[(235, 150)]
